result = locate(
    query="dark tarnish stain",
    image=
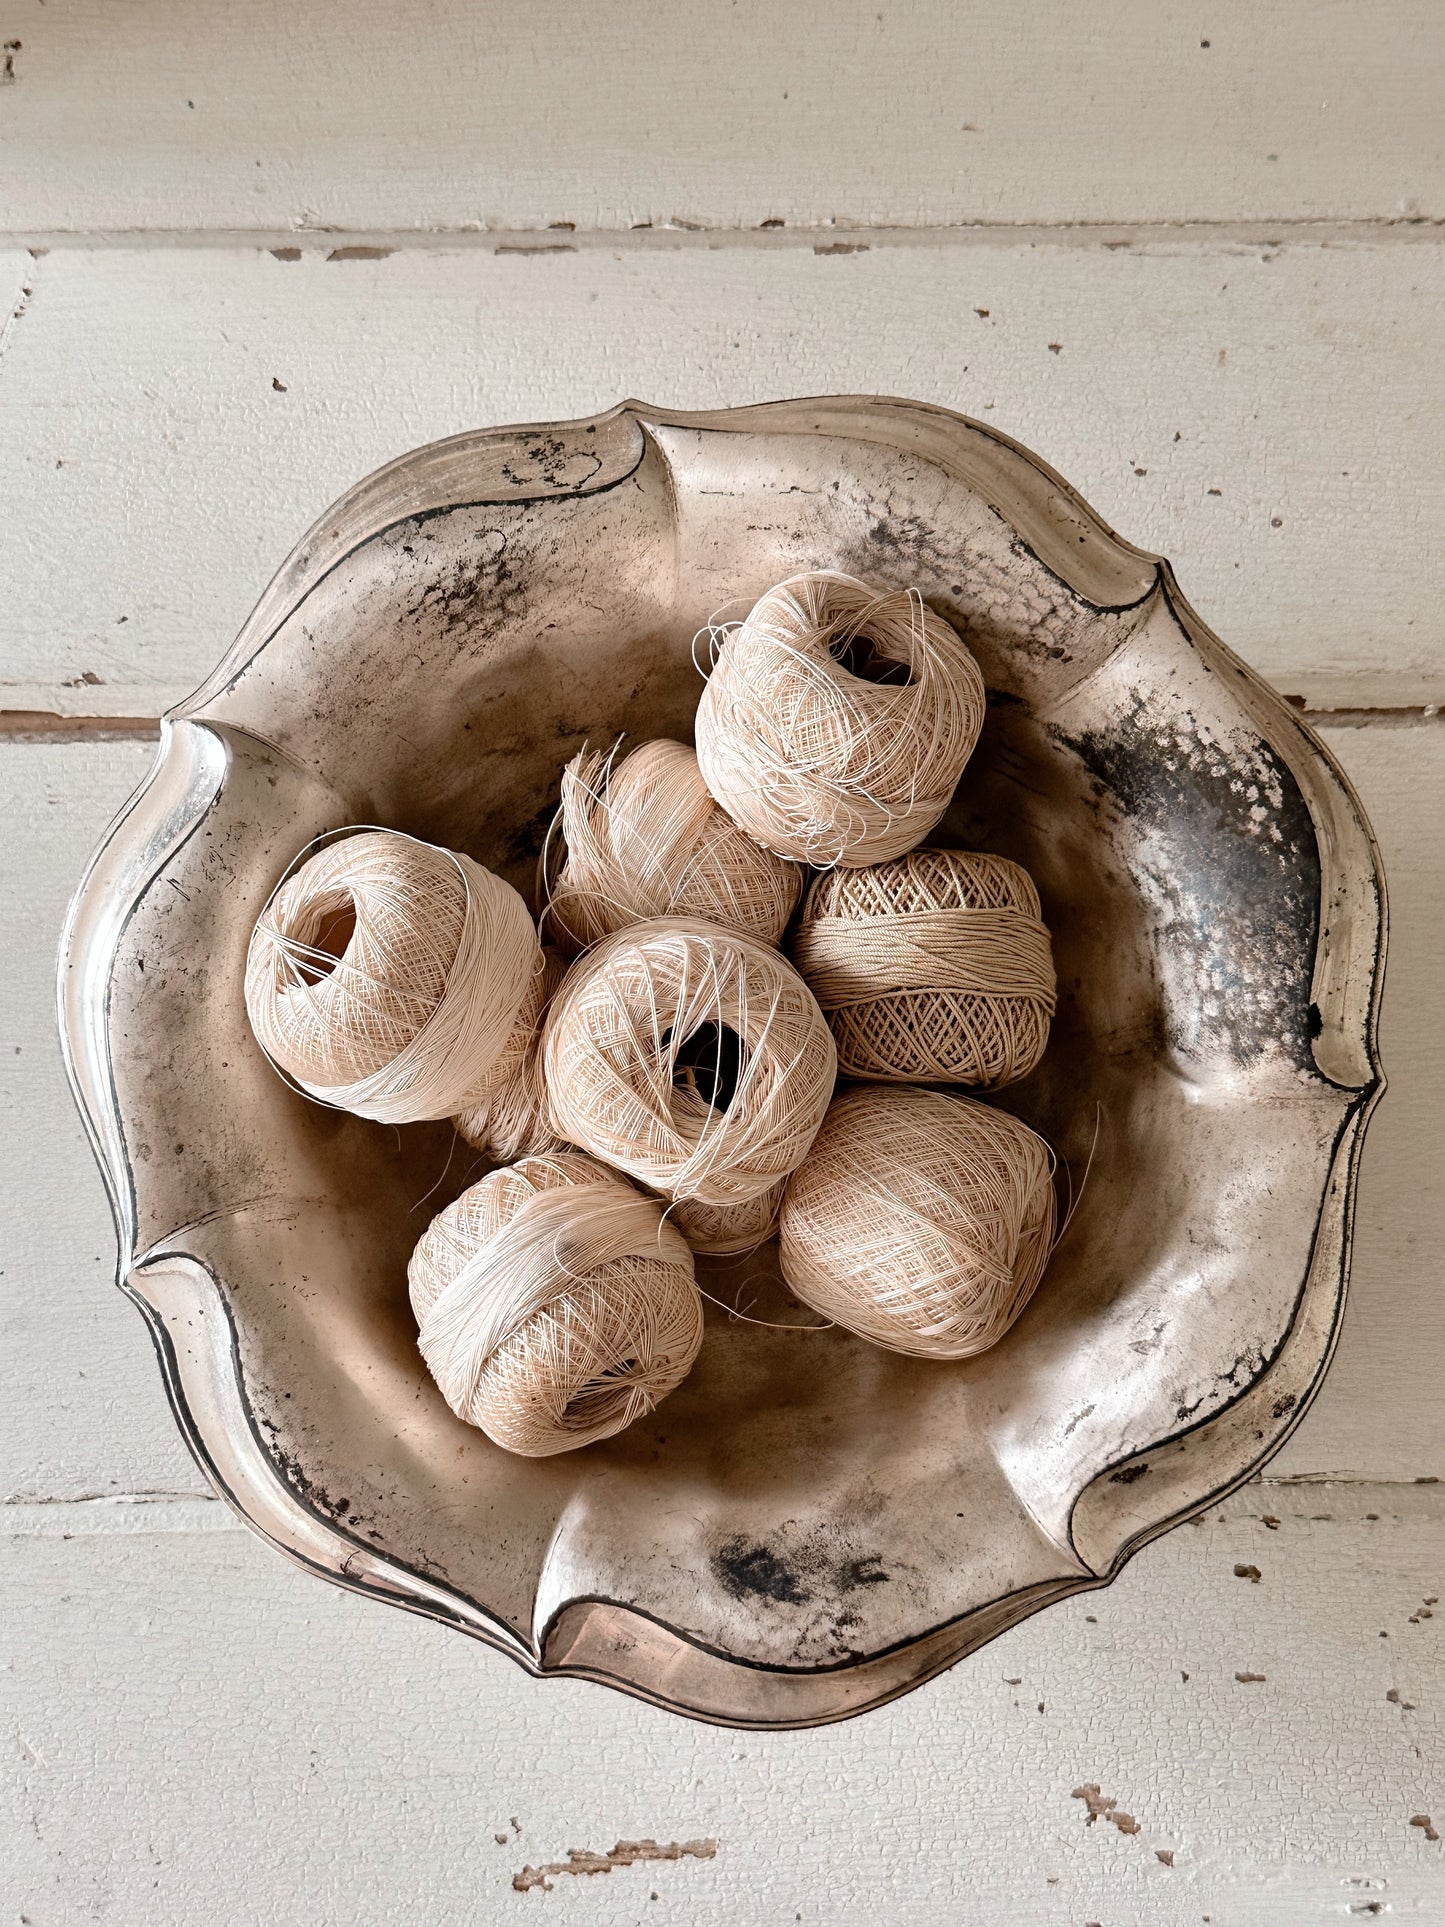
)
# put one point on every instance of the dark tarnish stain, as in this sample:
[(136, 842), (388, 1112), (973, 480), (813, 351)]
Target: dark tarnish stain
[(342, 1512), (753, 1572), (1285, 1404), (479, 590), (8, 75), (290, 1467), (1002, 607), (524, 845), (1246, 1367), (1128, 1475), (817, 1576), (1027, 606), (626, 1853), (863, 1572), (554, 463), (1234, 864), (301, 1482)]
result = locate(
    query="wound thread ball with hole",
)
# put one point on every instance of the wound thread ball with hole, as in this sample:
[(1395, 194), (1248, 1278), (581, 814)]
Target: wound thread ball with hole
[(386, 976), (690, 1057), (837, 719)]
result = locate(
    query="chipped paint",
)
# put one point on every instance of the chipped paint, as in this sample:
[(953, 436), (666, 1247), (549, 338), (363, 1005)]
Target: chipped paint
[(626, 1853)]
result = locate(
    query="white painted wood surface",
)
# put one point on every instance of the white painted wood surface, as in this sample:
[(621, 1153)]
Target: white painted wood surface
[(1267, 417), (195, 1731), (521, 113), (201, 1733)]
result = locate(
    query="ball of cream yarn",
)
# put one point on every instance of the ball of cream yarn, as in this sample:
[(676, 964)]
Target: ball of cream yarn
[(919, 1220), (386, 976), (643, 838), (819, 762), (691, 1057), (508, 1117), (934, 968), (554, 1304), (724, 1230)]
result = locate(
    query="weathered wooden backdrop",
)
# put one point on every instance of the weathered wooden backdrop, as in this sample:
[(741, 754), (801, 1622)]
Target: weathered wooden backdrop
[(249, 250)]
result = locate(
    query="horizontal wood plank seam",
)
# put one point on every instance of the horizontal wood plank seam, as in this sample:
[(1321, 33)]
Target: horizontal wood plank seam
[(33, 1517), (28, 1502), (45, 726), (361, 244)]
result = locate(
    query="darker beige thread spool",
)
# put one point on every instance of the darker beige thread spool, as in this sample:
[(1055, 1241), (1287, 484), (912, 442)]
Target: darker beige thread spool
[(555, 1305), (934, 968), (920, 1220), (837, 719), (508, 1118), (727, 1230), (642, 838)]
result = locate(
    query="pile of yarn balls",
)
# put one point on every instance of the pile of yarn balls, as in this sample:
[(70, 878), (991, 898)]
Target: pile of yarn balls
[(651, 1075)]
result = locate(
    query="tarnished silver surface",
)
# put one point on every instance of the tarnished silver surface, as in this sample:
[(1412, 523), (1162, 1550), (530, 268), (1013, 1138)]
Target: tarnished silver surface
[(809, 1526)]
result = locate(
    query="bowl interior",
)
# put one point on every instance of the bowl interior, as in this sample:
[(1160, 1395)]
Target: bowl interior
[(804, 1501)]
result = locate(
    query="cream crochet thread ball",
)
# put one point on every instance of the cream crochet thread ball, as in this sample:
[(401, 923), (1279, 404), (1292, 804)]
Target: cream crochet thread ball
[(934, 968), (691, 1057), (554, 1304), (508, 1118), (920, 1221), (723, 1230), (386, 976), (819, 762), (643, 838)]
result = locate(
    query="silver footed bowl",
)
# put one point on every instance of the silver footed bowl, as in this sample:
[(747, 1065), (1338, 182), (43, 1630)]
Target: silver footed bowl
[(809, 1526)]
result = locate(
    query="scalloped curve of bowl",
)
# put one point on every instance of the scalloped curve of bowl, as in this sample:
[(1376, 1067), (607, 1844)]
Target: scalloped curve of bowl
[(1136, 1491)]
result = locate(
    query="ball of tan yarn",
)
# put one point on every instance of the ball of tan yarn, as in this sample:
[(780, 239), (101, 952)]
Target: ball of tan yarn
[(509, 1117), (554, 1304), (385, 976), (934, 968), (691, 1057), (919, 1220), (819, 762), (643, 838), (723, 1230)]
